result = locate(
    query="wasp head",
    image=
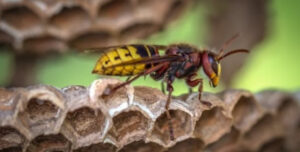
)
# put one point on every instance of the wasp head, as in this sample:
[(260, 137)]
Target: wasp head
[(211, 67), (211, 64)]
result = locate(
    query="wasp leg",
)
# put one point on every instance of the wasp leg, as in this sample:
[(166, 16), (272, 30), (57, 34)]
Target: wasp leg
[(170, 90), (137, 76), (128, 78), (200, 89), (163, 87), (207, 103), (192, 83)]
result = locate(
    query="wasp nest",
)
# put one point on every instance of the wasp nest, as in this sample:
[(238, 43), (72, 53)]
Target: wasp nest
[(76, 118), (43, 26)]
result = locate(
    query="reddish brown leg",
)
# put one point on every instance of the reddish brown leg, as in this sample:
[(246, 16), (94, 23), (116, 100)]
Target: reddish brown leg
[(200, 89), (170, 90), (128, 81), (163, 87), (128, 78), (192, 83), (207, 103)]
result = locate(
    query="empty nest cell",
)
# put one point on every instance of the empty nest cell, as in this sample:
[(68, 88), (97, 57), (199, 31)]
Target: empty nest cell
[(138, 30), (181, 123), (38, 109), (43, 44), (101, 147), (141, 146), (227, 143), (129, 126), (266, 128), (71, 19), (49, 143), (20, 18), (40, 115), (288, 113), (86, 121), (245, 113), (188, 145), (91, 40), (275, 145), (212, 125), (11, 139), (116, 9)]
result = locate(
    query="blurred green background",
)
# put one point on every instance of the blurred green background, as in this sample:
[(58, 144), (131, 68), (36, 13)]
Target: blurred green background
[(275, 65)]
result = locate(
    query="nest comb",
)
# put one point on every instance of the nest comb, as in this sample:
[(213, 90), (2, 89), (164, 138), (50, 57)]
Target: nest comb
[(76, 118), (54, 25)]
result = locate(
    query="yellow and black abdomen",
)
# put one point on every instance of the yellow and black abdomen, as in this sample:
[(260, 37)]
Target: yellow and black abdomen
[(110, 63)]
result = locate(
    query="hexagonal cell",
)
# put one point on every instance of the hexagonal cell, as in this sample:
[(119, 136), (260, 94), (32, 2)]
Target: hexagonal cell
[(275, 145), (85, 121), (266, 128), (129, 126), (44, 44), (181, 123), (20, 17), (288, 113), (245, 113), (11, 139), (138, 30), (272, 99), (38, 112), (153, 10), (226, 143), (91, 40), (212, 125), (141, 146), (43, 110), (71, 19), (188, 145), (50, 143), (115, 9), (98, 148)]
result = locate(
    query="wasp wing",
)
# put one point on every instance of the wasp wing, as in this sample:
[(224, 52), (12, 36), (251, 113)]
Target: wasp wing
[(108, 48), (150, 60)]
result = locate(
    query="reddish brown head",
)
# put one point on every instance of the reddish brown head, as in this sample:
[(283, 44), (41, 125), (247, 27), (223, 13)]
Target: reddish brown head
[(211, 64), (211, 61)]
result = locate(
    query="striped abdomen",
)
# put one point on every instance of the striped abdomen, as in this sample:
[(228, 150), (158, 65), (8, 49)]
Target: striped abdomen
[(116, 56)]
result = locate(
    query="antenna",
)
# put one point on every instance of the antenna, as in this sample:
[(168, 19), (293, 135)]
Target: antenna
[(232, 52), (226, 44)]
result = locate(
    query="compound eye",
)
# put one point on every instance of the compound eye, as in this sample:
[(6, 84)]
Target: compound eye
[(214, 64)]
